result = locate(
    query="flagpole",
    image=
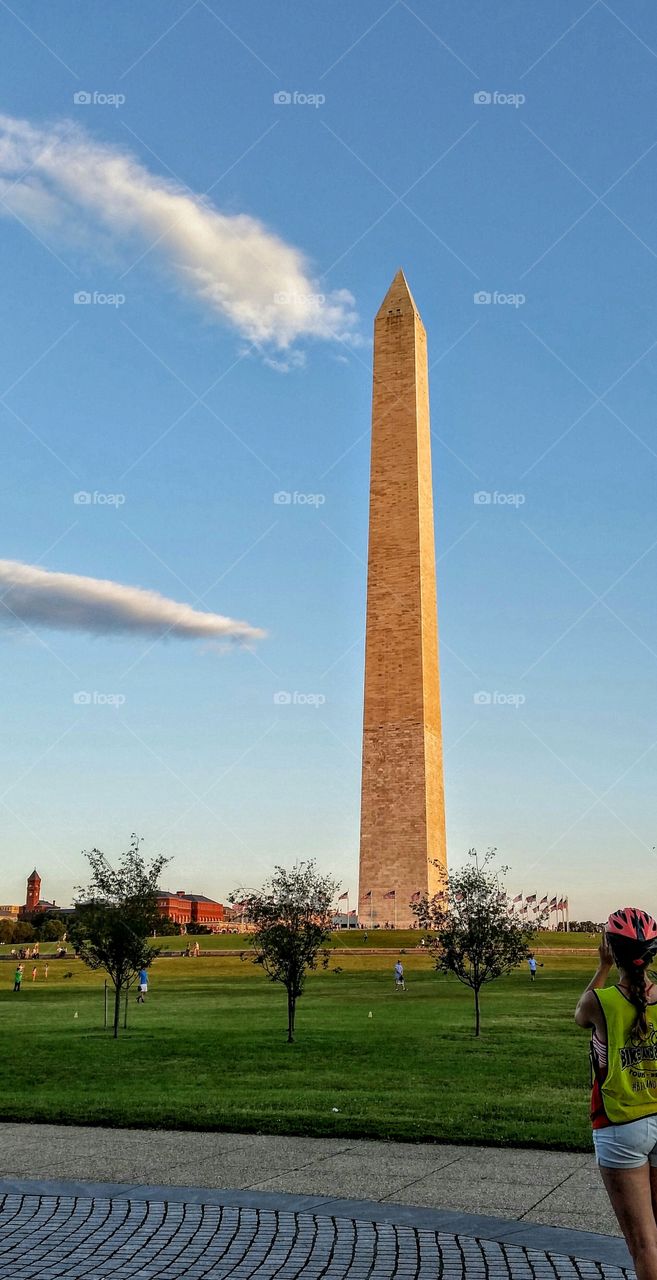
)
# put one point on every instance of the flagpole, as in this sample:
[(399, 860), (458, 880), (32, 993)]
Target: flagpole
[(395, 908), (371, 910)]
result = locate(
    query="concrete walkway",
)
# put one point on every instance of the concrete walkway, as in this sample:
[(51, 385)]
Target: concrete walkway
[(539, 1187)]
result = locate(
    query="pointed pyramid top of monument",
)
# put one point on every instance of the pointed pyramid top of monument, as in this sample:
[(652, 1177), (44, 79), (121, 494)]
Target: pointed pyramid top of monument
[(398, 297)]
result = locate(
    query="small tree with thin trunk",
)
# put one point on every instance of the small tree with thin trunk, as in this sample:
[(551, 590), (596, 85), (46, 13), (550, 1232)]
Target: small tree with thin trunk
[(474, 933), (291, 920), (115, 915)]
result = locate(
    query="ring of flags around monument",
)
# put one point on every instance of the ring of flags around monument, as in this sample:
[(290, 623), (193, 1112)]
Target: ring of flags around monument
[(525, 905)]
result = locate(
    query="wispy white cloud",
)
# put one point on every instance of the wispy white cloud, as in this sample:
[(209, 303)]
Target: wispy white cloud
[(69, 602), (59, 178)]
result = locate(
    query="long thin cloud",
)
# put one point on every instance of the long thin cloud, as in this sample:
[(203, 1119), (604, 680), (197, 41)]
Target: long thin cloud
[(69, 602), (61, 179)]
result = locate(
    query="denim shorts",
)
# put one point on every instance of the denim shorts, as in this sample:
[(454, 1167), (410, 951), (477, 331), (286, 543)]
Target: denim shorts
[(627, 1146)]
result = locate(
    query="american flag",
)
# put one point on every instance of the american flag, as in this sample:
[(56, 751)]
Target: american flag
[(392, 894), (543, 902), (415, 897), (343, 897), (368, 894), (518, 898), (553, 904), (531, 898)]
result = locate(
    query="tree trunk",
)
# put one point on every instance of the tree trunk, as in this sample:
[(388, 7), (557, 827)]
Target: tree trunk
[(477, 1017), (117, 1010), (291, 1009)]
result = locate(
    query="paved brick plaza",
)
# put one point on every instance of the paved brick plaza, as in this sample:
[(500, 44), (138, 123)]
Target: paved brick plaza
[(115, 1233)]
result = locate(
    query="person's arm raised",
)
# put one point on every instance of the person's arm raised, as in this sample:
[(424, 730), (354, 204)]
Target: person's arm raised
[(587, 1013)]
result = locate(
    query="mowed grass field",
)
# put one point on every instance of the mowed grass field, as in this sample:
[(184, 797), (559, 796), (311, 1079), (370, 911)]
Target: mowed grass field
[(357, 939), (208, 1051)]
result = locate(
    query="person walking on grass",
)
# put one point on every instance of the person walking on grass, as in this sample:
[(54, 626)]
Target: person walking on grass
[(531, 961), (623, 1022), (18, 977), (400, 984), (142, 986)]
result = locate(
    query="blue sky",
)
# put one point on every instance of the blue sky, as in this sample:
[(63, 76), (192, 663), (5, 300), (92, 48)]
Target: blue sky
[(541, 198)]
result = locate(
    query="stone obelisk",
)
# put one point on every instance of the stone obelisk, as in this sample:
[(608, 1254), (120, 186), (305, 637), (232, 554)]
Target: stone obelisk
[(402, 832)]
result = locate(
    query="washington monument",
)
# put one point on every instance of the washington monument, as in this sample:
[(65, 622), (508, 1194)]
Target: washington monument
[(402, 826)]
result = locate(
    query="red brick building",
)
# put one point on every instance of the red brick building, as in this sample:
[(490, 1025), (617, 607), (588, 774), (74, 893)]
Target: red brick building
[(33, 900), (188, 909)]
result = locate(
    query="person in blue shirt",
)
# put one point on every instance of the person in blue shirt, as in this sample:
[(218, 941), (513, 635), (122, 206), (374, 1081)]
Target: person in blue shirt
[(142, 986), (400, 984), (531, 961)]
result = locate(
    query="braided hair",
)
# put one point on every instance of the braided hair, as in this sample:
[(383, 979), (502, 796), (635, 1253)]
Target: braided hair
[(633, 960)]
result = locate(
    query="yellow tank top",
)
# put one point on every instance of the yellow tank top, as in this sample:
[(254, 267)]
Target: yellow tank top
[(629, 1089)]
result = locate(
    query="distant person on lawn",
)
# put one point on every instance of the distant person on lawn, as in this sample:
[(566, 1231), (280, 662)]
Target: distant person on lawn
[(623, 1021), (399, 976), (18, 977), (142, 986), (531, 961)]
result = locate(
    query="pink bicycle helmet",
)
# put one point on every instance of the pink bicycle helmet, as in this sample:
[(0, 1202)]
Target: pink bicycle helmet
[(635, 931)]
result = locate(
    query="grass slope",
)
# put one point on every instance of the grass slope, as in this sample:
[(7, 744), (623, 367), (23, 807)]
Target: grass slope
[(208, 1051)]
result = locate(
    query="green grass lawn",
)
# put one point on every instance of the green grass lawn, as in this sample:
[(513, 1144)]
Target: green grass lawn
[(356, 938), (208, 1051)]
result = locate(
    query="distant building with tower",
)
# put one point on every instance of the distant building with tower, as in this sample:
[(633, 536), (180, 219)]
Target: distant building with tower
[(33, 900)]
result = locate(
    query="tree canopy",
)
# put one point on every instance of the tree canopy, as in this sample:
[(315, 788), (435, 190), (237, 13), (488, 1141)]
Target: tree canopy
[(115, 915), (291, 917), (475, 934)]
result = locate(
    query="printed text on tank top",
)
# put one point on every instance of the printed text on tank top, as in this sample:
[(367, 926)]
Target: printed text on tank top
[(599, 1045)]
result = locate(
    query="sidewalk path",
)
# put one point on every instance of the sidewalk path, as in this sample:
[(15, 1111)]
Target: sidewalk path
[(101, 1203)]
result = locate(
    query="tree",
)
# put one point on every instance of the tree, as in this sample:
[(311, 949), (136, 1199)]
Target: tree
[(291, 918), (7, 930), (115, 915), (166, 927), (53, 930), (23, 932), (474, 935)]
